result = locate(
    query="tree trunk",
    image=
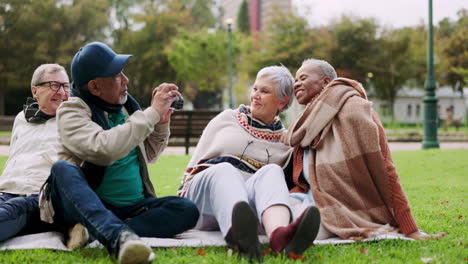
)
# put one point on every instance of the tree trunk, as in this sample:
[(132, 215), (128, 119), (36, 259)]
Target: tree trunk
[(392, 108), (2, 103)]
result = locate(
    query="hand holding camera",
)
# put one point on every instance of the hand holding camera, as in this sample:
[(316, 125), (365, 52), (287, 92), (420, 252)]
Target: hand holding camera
[(179, 104), (166, 98)]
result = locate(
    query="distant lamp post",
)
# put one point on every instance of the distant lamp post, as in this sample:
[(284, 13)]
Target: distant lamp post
[(430, 100), (370, 75), (229, 22)]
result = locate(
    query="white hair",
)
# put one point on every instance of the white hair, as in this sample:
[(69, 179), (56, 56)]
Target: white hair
[(284, 80), (41, 70), (326, 67)]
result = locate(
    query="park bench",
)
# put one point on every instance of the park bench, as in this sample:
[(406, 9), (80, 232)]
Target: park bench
[(6, 122), (187, 127)]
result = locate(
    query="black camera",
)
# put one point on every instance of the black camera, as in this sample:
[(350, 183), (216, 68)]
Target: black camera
[(177, 105)]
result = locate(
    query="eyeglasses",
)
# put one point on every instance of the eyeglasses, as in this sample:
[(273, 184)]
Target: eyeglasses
[(55, 86)]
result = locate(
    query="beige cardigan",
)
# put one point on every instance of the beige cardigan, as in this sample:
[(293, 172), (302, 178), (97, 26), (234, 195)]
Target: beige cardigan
[(229, 135), (82, 140)]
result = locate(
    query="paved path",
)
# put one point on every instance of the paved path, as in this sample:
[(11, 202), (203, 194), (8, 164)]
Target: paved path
[(394, 146), (403, 146)]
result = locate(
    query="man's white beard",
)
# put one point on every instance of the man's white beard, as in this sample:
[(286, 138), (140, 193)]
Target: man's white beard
[(123, 99)]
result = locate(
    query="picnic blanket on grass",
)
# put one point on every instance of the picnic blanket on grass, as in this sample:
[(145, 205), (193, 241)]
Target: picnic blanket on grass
[(191, 238)]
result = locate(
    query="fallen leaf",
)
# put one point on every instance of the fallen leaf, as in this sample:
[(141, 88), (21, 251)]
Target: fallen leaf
[(266, 252), (443, 214), (201, 252), (318, 256), (426, 260), (174, 249), (460, 216), (294, 256), (444, 202), (363, 251)]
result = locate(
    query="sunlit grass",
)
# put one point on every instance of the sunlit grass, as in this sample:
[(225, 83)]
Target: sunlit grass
[(435, 182), (5, 133)]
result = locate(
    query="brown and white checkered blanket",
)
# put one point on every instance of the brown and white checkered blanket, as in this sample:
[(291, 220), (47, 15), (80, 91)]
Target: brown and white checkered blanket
[(349, 172)]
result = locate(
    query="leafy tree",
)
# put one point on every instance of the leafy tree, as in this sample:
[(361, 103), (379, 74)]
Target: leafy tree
[(287, 40), (159, 21), (123, 11), (418, 52), (446, 28), (199, 59), (149, 66), (37, 32), (417, 56), (392, 67), (243, 19), (199, 10), (355, 47), (462, 72), (456, 52), (170, 43)]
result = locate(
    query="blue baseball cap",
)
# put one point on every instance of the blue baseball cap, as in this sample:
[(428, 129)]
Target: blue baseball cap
[(95, 60)]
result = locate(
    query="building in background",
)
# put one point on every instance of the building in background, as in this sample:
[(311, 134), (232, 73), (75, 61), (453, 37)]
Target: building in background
[(260, 11), (230, 9), (409, 107)]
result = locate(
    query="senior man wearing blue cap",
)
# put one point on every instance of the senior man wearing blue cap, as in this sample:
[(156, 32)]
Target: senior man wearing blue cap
[(102, 180)]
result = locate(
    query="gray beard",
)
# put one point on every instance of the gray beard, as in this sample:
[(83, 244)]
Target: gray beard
[(123, 99)]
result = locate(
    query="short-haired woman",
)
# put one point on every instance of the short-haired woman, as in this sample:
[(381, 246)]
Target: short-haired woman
[(235, 176)]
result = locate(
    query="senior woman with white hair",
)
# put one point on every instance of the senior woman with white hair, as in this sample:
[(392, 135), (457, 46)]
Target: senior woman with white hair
[(237, 167)]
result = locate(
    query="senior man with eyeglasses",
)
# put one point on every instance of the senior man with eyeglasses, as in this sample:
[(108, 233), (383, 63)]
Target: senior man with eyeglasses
[(33, 150)]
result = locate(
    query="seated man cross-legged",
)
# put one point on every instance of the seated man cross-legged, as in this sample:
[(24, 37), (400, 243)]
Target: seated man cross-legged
[(102, 179)]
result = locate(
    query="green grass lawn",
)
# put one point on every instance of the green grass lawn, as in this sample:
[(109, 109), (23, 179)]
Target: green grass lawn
[(435, 181), (5, 133)]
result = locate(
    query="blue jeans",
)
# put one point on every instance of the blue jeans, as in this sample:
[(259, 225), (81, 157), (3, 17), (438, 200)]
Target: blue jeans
[(75, 202), (19, 215)]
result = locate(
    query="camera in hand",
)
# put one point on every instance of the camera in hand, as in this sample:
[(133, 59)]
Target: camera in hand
[(178, 104)]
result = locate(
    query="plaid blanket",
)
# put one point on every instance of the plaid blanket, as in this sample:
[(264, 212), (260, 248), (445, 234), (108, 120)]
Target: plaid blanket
[(352, 178)]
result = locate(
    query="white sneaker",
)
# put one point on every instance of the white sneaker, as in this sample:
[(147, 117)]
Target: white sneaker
[(135, 251), (77, 237)]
